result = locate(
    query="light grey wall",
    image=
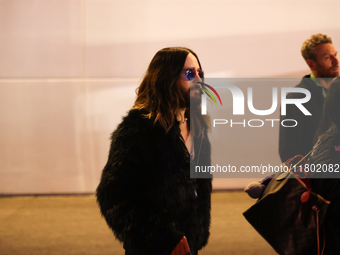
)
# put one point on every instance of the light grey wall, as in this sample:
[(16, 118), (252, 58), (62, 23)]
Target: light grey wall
[(69, 69)]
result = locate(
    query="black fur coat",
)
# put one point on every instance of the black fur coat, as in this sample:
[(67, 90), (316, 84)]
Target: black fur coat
[(146, 194)]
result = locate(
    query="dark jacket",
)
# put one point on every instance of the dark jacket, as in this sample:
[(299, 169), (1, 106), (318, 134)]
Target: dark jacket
[(146, 194), (299, 140), (328, 150), (328, 154)]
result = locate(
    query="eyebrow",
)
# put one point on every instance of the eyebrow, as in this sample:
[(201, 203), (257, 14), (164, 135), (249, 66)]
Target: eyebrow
[(191, 68), (329, 54)]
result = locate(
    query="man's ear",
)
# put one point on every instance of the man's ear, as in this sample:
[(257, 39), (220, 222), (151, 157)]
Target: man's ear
[(311, 63)]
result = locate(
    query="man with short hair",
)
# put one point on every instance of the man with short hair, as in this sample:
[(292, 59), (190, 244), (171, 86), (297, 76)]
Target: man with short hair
[(321, 57)]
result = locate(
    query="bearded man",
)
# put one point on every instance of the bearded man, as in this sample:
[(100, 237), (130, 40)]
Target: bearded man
[(146, 194), (321, 57)]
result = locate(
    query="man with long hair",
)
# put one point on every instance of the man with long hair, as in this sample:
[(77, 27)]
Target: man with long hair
[(146, 194), (321, 57)]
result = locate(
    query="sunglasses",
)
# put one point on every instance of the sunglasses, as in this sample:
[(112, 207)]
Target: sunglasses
[(190, 74)]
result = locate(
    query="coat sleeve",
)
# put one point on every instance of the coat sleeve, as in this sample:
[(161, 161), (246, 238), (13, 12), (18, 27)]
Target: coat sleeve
[(129, 197)]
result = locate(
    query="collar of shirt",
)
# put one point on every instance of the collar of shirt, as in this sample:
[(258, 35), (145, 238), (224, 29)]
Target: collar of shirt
[(318, 84)]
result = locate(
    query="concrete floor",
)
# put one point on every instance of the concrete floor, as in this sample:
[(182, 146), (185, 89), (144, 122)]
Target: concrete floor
[(73, 225)]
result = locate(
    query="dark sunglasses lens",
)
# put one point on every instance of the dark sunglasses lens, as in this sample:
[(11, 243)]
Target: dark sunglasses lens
[(190, 74)]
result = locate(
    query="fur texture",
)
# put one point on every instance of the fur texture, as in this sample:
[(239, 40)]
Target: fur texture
[(146, 194)]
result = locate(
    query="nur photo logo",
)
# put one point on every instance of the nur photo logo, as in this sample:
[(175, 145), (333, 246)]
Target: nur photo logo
[(207, 92)]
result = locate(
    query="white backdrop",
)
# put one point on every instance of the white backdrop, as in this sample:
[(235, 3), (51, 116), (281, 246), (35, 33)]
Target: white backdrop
[(69, 70)]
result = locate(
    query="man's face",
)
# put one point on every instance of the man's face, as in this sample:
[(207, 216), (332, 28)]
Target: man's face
[(327, 63), (190, 87)]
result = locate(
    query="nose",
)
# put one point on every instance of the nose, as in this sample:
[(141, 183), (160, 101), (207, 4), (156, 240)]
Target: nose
[(197, 78), (197, 75), (335, 60)]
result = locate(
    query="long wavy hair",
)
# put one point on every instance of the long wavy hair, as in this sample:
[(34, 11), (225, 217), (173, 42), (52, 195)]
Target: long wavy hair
[(159, 92), (331, 109)]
